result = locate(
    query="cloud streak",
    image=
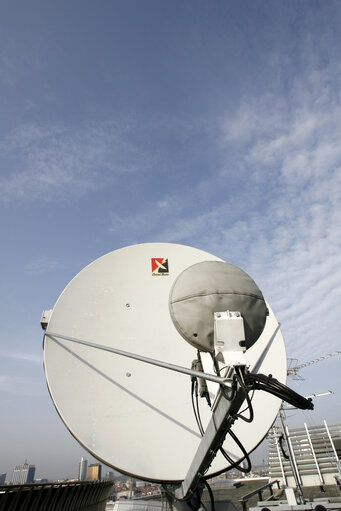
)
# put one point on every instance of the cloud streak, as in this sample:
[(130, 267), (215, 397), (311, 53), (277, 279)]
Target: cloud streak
[(55, 162), (27, 357), (42, 265), (283, 223)]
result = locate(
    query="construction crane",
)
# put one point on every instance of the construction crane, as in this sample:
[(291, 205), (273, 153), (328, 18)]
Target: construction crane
[(294, 367)]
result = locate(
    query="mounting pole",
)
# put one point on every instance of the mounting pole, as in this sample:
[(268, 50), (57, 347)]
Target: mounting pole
[(229, 341), (292, 459), (219, 425)]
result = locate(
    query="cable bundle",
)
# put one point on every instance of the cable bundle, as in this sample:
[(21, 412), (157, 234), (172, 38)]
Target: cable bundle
[(249, 382), (273, 386), (233, 463)]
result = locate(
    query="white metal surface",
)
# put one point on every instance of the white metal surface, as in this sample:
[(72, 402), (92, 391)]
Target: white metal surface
[(228, 336), (135, 417)]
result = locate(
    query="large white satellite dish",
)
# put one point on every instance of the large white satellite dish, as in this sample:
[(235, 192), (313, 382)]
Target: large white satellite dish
[(133, 416)]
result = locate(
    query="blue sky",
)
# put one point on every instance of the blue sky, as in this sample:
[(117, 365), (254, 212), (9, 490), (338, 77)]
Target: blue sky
[(211, 124)]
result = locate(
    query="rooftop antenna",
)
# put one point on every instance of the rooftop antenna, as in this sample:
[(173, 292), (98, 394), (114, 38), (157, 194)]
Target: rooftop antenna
[(294, 366), (292, 371), (155, 357)]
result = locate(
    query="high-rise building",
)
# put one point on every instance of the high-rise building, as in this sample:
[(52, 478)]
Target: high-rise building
[(110, 476), (94, 472), (2, 478), (23, 474), (83, 469)]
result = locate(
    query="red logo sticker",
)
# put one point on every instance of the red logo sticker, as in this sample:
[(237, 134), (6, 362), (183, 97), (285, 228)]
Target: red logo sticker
[(160, 266)]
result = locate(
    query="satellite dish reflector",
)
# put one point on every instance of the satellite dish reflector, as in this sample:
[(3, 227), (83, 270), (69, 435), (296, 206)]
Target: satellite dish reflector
[(215, 286), (133, 416)]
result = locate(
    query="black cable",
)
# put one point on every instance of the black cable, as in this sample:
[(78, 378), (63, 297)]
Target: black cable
[(285, 455), (206, 393), (242, 448), (198, 411), (228, 394), (248, 382), (215, 363), (192, 505), (251, 398), (233, 463), (246, 394), (210, 492), (236, 464), (203, 505), (194, 383), (273, 386)]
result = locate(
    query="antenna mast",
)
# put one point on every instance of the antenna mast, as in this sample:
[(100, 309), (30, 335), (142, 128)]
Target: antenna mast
[(294, 367)]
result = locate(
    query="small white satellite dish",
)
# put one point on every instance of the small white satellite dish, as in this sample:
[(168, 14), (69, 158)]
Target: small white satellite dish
[(133, 416)]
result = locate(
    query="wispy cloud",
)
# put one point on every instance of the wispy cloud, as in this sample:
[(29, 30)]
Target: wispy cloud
[(19, 372), (42, 265), (16, 385), (50, 162), (25, 356), (294, 244), (283, 223)]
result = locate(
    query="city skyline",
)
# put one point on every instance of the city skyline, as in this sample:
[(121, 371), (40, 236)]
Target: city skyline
[(209, 124), (25, 473)]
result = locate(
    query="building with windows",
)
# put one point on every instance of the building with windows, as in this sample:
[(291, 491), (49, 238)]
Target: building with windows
[(316, 453), (82, 469), (94, 472), (23, 474), (2, 478)]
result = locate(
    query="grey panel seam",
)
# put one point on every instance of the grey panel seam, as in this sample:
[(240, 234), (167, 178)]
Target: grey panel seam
[(220, 293)]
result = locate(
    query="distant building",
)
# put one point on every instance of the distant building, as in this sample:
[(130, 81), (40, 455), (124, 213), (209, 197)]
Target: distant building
[(316, 452), (2, 478), (141, 484), (82, 469), (109, 476), (94, 472), (23, 474)]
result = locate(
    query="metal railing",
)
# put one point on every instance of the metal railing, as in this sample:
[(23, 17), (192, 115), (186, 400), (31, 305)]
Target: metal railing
[(259, 491), (67, 496)]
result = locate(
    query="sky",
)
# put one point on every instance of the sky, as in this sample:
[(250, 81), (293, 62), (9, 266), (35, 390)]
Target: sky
[(214, 124)]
